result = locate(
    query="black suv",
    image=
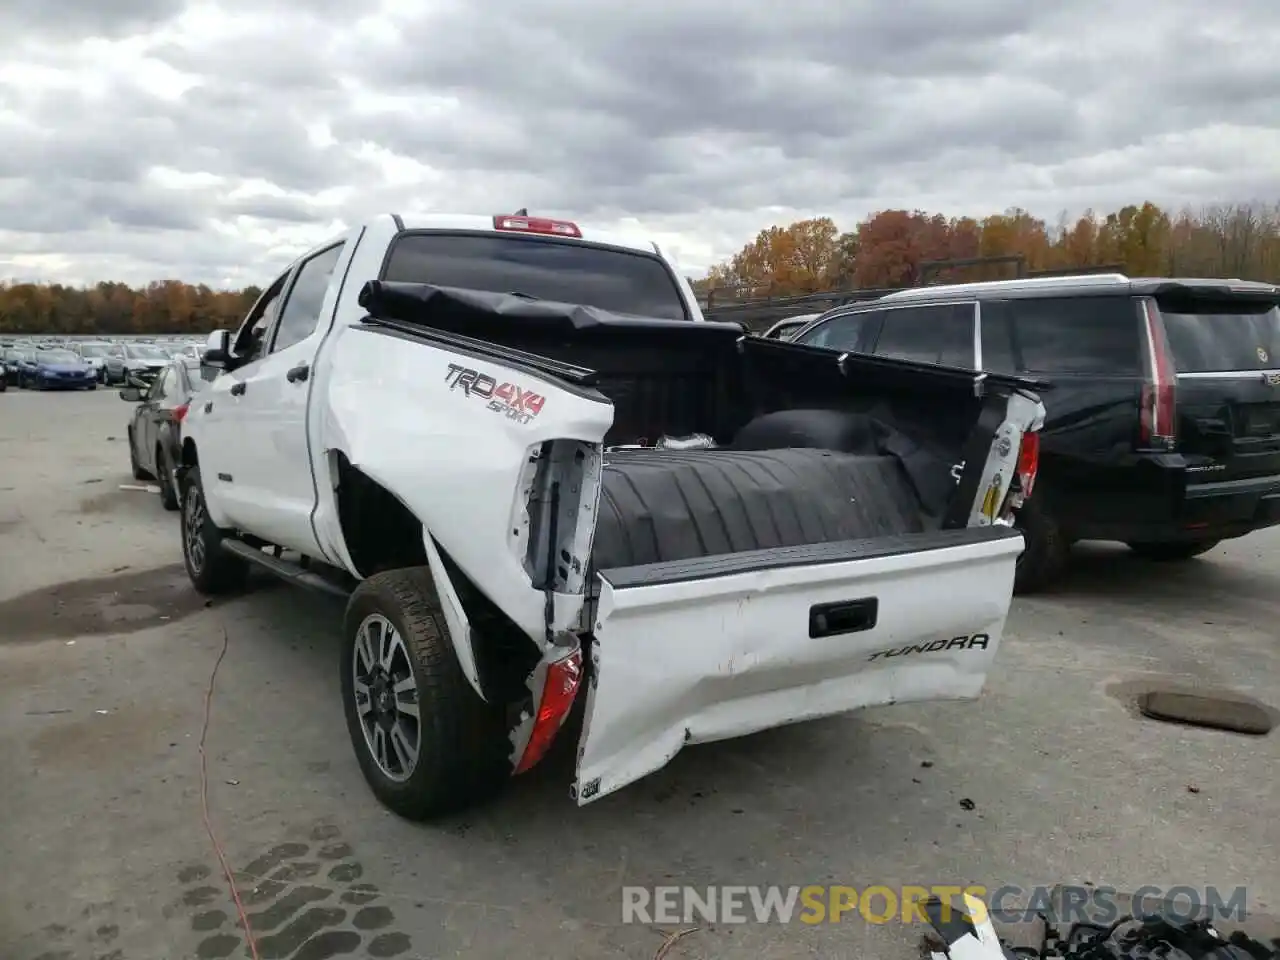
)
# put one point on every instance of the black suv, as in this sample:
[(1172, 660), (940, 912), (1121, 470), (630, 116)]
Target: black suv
[(1163, 414)]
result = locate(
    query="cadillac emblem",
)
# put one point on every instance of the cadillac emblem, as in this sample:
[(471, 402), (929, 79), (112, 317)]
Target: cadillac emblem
[(1263, 356)]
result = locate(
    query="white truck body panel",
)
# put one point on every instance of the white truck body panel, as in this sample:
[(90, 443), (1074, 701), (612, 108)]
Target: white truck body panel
[(709, 659), (462, 469)]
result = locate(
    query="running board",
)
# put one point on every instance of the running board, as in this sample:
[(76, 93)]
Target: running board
[(285, 569)]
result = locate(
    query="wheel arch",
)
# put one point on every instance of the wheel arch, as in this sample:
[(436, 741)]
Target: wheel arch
[(380, 533)]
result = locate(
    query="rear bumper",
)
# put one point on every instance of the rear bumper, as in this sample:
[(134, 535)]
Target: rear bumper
[(64, 383), (1201, 511), (1232, 508)]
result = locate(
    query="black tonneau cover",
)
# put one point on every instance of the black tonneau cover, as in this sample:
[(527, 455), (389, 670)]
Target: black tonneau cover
[(479, 315), (479, 312)]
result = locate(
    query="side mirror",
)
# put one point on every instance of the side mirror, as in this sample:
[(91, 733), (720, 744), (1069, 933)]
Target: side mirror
[(131, 395), (217, 350)]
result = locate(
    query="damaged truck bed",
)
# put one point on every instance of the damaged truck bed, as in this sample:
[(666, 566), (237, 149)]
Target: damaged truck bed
[(713, 534)]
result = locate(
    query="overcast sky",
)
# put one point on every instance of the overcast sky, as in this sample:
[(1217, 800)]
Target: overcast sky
[(142, 139)]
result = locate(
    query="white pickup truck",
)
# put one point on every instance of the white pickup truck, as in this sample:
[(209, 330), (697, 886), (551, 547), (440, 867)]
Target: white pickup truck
[(532, 467)]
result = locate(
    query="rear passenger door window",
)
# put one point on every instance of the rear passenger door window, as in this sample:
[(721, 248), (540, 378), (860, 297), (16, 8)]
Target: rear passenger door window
[(942, 333), (1077, 335), (301, 312), (845, 333)]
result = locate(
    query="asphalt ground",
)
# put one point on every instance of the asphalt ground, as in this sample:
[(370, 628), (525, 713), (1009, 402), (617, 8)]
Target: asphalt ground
[(106, 655)]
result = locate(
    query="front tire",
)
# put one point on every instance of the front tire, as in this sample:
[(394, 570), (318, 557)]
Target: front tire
[(1172, 552), (397, 661), (212, 570)]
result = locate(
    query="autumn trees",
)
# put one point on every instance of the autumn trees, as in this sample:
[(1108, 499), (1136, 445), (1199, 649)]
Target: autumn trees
[(889, 248), (168, 306)]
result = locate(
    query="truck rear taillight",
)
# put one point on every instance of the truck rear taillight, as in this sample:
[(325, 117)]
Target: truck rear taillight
[(1157, 423), (180, 413), (563, 678), (553, 228), (1028, 462)]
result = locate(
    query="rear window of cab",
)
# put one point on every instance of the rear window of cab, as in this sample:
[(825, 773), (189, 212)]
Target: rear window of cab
[(609, 278)]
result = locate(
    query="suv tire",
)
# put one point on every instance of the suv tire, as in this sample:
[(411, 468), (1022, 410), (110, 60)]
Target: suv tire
[(212, 570), (463, 752), (1045, 555), (1174, 551)]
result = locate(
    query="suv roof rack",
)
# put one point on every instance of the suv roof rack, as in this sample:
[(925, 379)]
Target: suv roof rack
[(1068, 282)]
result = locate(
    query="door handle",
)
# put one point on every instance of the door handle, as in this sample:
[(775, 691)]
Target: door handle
[(237, 389), (298, 374), (843, 617)]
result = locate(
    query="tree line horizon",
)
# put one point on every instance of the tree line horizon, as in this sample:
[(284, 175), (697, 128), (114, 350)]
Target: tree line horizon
[(885, 249)]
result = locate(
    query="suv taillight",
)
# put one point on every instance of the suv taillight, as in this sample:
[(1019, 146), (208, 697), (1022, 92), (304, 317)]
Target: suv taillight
[(180, 413), (1158, 420)]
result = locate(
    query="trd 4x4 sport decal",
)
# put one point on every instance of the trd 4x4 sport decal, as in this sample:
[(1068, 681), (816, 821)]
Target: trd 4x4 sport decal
[(516, 402)]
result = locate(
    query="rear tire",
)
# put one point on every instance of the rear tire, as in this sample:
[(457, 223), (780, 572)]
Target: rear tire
[(1173, 551), (463, 753), (1045, 555), (212, 570), (134, 465)]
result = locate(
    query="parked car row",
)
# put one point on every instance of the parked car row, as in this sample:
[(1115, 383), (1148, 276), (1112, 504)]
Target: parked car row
[(83, 364)]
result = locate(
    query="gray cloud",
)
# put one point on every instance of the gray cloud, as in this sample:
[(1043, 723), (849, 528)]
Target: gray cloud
[(705, 119), (75, 19)]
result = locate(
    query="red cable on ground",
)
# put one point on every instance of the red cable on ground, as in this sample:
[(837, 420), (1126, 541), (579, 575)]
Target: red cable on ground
[(204, 804)]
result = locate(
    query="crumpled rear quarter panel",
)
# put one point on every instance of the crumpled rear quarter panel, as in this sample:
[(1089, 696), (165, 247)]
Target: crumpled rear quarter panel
[(452, 460)]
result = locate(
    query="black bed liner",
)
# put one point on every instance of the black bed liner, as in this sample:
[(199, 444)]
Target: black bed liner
[(660, 506)]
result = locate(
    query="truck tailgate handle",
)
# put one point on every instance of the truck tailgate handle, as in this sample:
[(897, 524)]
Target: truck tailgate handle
[(842, 617)]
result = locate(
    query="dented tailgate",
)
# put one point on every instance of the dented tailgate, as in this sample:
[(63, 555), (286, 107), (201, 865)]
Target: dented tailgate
[(702, 650)]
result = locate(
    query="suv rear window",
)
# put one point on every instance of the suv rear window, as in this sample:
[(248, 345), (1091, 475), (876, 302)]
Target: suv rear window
[(613, 280), (1211, 338), (1097, 335)]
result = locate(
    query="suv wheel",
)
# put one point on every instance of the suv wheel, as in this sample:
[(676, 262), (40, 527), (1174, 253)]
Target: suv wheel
[(1170, 552), (212, 570), (1045, 553), (426, 742)]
